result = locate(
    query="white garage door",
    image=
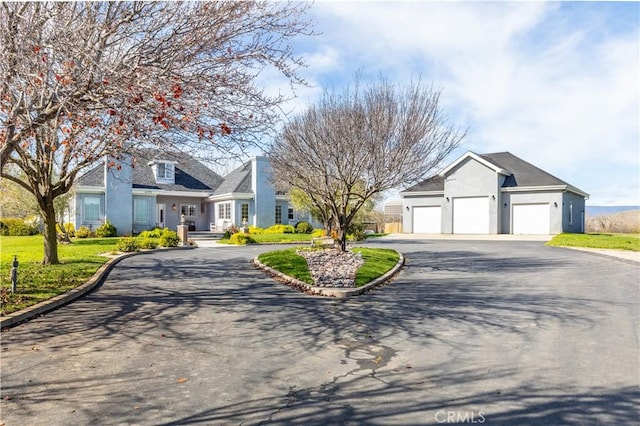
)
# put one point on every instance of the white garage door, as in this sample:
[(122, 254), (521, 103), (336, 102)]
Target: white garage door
[(427, 220), (471, 215), (531, 218)]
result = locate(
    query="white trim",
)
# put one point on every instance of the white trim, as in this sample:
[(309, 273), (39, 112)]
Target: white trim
[(89, 189), (546, 188), (232, 196), (282, 198), (157, 192), (420, 193), (156, 161), (471, 154)]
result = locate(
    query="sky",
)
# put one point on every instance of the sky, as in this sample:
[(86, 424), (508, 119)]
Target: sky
[(555, 83)]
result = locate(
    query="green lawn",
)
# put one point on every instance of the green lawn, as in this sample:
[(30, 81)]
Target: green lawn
[(606, 241), (281, 238), (288, 262), (37, 282), (276, 238), (376, 263), (286, 238)]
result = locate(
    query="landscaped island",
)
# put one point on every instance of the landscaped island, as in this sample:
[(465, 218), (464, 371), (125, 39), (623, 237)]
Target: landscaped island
[(331, 268)]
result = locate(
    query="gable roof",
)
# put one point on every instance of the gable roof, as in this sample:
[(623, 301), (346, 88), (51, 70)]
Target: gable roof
[(238, 180), (519, 174), (190, 174), (479, 158), (523, 173)]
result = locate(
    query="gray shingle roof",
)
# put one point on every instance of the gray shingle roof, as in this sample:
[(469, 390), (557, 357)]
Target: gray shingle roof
[(523, 174), (238, 180), (94, 177), (190, 174), (434, 183)]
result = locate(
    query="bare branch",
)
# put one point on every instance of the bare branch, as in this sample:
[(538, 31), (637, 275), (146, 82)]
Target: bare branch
[(355, 144)]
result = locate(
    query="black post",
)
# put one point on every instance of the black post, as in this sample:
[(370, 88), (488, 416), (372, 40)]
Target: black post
[(14, 274)]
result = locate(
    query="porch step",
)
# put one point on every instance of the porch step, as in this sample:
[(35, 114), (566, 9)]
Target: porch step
[(205, 235)]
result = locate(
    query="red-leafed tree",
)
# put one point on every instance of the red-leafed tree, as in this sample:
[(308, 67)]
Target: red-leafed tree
[(85, 80)]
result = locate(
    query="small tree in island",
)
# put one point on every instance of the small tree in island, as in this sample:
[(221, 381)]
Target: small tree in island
[(357, 143), (82, 81)]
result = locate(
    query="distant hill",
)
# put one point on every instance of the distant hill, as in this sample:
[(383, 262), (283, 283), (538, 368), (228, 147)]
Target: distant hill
[(594, 211)]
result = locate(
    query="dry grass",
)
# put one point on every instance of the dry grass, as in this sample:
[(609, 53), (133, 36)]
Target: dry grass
[(621, 223)]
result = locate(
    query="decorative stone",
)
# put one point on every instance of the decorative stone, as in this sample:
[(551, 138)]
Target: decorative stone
[(332, 268)]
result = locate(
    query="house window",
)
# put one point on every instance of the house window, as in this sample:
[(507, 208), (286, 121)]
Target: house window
[(164, 171), (140, 210), (91, 209), (189, 210), (244, 208), (570, 213), (290, 213), (224, 211), (278, 214)]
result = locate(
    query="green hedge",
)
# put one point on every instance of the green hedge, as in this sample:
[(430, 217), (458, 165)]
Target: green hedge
[(14, 227), (280, 229), (241, 239)]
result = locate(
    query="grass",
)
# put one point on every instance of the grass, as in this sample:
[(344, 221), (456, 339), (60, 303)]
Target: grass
[(276, 238), (288, 262), (286, 238), (605, 241), (376, 263), (37, 282)]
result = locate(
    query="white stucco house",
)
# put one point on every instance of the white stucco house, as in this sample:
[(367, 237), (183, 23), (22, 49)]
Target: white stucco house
[(162, 186), (495, 193)]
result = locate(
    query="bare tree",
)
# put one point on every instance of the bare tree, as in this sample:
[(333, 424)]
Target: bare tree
[(358, 143), (83, 80)]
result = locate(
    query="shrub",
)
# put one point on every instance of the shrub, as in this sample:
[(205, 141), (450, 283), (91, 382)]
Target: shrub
[(106, 230), (169, 238), (16, 227), (154, 233), (71, 230), (127, 244), (147, 243), (279, 229), (317, 233), (230, 231), (256, 230), (304, 228), (84, 232), (356, 232), (241, 239)]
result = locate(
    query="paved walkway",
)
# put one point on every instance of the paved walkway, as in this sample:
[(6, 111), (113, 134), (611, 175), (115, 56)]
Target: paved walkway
[(494, 331)]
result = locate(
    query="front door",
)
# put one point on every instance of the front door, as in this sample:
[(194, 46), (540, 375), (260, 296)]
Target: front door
[(160, 215)]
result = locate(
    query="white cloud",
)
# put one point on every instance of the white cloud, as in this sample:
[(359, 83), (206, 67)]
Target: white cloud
[(554, 83)]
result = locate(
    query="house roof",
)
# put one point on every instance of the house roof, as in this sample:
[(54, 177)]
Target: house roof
[(432, 184), (479, 158), (238, 180), (190, 174), (522, 172), (519, 173)]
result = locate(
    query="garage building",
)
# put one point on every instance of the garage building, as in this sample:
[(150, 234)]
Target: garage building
[(495, 193)]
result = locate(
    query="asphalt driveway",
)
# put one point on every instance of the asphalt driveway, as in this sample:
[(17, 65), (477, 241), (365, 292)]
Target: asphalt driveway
[(479, 332)]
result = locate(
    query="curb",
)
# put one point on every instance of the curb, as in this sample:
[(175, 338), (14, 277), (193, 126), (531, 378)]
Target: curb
[(339, 293), (62, 299), (626, 256)]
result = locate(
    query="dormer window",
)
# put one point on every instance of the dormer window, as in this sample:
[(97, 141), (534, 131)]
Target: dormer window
[(164, 171)]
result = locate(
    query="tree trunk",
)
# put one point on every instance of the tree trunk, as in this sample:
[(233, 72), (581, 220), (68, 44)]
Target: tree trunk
[(50, 235), (342, 238)]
